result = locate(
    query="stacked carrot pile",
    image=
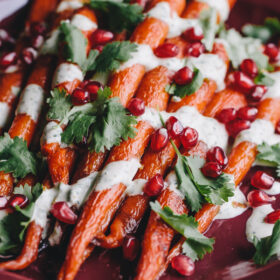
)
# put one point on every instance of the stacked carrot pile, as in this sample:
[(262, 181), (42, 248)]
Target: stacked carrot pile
[(127, 108)]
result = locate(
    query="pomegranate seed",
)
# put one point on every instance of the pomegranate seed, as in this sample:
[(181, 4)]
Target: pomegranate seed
[(242, 82), (80, 97), (236, 126), (136, 106), (262, 180), (247, 113), (154, 186), (174, 127), (28, 55), (195, 49), (3, 202), (189, 137), (4, 35), (183, 265), (18, 200), (99, 48), (92, 88), (277, 129), (258, 198), (217, 154), (130, 247), (193, 34), (249, 67), (211, 169), (8, 59), (183, 76), (166, 50), (257, 94), (37, 41), (272, 217), (101, 37), (159, 139), (272, 51), (62, 212), (38, 28), (226, 115)]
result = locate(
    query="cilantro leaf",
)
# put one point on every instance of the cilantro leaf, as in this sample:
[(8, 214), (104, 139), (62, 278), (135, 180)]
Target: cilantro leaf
[(187, 89), (196, 244), (60, 104), (267, 247), (263, 79), (119, 16), (264, 32), (15, 157), (113, 55)]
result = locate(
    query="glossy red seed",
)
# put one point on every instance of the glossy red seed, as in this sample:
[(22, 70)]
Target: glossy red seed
[(101, 37), (183, 265), (62, 212), (211, 169), (277, 129), (272, 51), (195, 49), (174, 127), (38, 28), (258, 198), (272, 217), (28, 55), (130, 247), (242, 82), (257, 93), (193, 34), (247, 113), (183, 76), (136, 106), (217, 154), (18, 200), (189, 137), (262, 180), (236, 126), (92, 88), (3, 202), (154, 186), (80, 97), (226, 115), (166, 50), (249, 67), (159, 139), (37, 41), (8, 59)]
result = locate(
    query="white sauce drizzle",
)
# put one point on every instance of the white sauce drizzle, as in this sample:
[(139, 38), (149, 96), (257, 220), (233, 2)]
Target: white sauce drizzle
[(171, 182), (15, 90), (67, 72), (256, 226), (52, 133), (5, 110), (83, 23), (136, 187), (31, 101), (51, 43), (69, 5), (210, 130), (274, 190), (274, 90), (221, 6)]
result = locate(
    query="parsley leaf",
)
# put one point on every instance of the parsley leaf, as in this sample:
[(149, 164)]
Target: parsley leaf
[(15, 157), (270, 154), (113, 55), (267, 247), (264, 32), (263, 79), (14, 225), (196, 244), (187, 89), (119, 16), (60, 104)]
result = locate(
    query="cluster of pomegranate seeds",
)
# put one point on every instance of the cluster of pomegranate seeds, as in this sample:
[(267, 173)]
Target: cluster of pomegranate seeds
[(195, 49), (19, 200), (159, 139), (272, 51), (242, 82), (130, 247), (80, 97), (249, 67), (3, 202), (183, 76), (101, 37), (189, 137), (62, 212), (8, 59), (257, 94), (262, 180), (167, 50), (193, 34), (236, 126), (174, 127), (272, 217), (136, 106), (183, 265), (277, 129), (247, 113), (28, 55), (154, 186), (258, 198)]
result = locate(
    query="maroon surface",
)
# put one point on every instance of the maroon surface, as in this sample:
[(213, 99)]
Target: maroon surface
[(232, 253)]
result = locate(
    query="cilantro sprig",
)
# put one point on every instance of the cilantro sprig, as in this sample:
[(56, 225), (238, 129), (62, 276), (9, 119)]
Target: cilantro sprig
[(14, 225), (270, 154), (119, 16), (188, 89), (263, 79), (267, 247), (196, 244), (15, 157)]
